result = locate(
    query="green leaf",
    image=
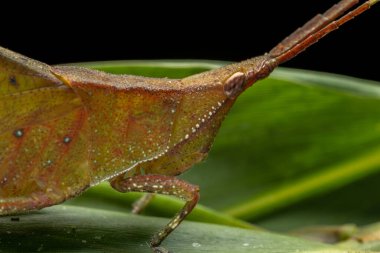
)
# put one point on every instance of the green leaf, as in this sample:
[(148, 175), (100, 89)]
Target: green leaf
[(367, 238), (154, 68), (105, 197), (74, 229)]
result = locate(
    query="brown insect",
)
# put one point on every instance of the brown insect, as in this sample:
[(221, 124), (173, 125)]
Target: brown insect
[(64, 129)]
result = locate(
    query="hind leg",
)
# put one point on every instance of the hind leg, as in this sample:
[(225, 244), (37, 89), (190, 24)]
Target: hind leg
[(163, 185)]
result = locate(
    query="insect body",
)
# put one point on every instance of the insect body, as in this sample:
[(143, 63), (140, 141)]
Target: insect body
[(63, 129)]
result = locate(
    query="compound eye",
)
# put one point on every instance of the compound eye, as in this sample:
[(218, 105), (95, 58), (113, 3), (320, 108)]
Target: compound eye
[(234, 85)]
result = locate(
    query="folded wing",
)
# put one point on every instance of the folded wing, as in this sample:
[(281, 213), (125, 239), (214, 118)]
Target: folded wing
[(42, 136)]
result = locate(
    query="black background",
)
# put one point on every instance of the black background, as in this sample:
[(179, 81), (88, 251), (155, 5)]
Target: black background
[(60, 32)]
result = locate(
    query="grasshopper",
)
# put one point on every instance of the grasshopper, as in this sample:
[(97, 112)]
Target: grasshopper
[(64, 129)]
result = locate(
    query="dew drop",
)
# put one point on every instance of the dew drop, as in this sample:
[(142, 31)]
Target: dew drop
[(196, 244), (5, 179), (66, 139), (246, 244), (18, 133)]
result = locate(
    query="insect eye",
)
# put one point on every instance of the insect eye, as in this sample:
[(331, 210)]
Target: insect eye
[(234, 84)]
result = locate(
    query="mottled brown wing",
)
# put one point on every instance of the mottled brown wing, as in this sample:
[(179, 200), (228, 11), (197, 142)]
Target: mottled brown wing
[(43, 137)]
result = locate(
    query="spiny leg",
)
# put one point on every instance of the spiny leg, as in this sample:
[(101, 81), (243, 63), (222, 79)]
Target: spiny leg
[(164, 185), (141, 203)]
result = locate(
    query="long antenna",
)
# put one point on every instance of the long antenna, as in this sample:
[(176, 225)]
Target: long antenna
[(317, 28)]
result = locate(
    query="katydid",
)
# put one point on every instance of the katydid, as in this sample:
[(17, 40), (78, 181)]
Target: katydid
[(64, 129)]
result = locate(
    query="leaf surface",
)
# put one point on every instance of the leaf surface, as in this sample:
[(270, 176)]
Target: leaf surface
[(75, 229)]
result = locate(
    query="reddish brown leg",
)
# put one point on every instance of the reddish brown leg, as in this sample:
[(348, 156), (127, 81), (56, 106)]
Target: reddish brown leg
[(141, 203), (164, 185)]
